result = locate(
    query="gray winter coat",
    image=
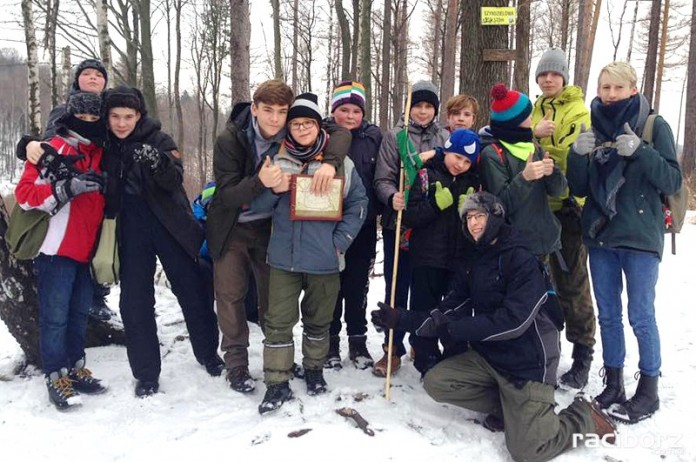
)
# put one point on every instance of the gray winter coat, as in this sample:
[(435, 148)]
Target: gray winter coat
[(388, 163)]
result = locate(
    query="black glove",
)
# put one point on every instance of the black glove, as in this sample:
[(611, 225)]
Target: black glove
[(147, 155), (66, 190), (60, 166), (386, 317), (436, 326)]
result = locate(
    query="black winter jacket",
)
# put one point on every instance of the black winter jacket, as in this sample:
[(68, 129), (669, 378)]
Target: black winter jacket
[(437, 235), (162, 189), (498, 294)]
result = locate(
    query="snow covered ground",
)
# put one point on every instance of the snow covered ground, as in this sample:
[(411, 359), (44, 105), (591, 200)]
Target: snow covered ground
[(199, 416)]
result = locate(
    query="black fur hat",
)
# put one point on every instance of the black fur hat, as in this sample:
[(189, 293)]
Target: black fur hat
[(82, 102), (124, 96)]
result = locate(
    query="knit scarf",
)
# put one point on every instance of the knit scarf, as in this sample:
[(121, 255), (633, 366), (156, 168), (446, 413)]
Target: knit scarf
[(510, 134), (306, 153)]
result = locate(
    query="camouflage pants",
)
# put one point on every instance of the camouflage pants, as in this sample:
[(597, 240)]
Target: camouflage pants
[(533, 431), (573, 286), (318, 301)]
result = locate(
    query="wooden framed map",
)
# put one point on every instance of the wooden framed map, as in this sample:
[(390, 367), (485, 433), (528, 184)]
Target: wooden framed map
[(304, 205)]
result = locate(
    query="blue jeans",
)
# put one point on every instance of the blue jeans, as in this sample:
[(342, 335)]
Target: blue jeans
[(65, 294), (641, 271)]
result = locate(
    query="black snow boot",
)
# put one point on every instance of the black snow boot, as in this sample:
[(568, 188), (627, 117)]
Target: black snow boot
[(333, 357), (613, 387), (643, 404), (316, 384), (83, 381), (276, 395), (358, 352), (576, 377), (61, 392)]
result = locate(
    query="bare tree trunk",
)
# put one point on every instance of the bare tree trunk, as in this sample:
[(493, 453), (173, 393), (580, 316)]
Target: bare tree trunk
[(170, 90), (448, 52), (345, 40), (565, 24), (365, 55), (400, 42), (481, 75), (278, 71), (385, 80), (295, 44), (178, 6), (437, 40), (633, 33), (522, 44), (65, 78), (19, 305), (147, 61), (651, 56), (32, 69), (239, 50), (356, 41), (104, 39), (689, 153), (581, 47), (52, 8), (661, 61)]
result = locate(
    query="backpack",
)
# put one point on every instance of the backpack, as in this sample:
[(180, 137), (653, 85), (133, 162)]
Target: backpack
[(674, 206), (26, 232), (200, 212)]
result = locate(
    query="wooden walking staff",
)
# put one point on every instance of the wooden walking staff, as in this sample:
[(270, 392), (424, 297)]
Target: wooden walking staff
[(397, 244)]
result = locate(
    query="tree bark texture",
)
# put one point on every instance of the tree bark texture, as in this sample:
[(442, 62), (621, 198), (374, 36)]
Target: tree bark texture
[(689, 155), (147, 64), (104, 38), (178, 6), (19, 305), (278, 68), (354, 52), (448, 53), (651, 56), (239, 47), (345, 40), (365, 76), (385, 80), (661, 59), (34, 94), (522, 45)]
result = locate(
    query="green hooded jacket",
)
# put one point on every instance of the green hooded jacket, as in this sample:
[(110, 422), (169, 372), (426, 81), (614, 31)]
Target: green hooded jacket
[(569, 112)]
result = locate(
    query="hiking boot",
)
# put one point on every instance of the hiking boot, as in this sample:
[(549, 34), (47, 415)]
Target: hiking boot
[(316, 384), (358, 353), (298, 371), (576, 377), (493, 423), (214, 366), (240, 380), (605, 429), (641, 406), (61, 392), (380, 368), (82, 380), (333, 357), (276, 395), (145, 388), (613, 387)]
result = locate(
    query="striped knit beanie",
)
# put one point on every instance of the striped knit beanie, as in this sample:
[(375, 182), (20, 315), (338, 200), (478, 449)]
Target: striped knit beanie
[(305, 105), (348, 92), (509, 107)]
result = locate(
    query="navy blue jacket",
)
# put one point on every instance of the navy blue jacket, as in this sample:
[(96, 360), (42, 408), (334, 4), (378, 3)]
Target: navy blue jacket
[(498, 294)]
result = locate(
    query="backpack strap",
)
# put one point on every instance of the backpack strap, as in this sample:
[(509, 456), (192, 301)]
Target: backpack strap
[(648, 128)]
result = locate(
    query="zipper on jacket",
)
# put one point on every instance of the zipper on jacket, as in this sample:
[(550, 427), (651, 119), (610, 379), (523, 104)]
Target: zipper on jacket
[(572, 130)]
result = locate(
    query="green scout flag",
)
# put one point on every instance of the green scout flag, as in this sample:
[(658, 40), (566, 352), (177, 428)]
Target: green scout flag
[(410, 159)]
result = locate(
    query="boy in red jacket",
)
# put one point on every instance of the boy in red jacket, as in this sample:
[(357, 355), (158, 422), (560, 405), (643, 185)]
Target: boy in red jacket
[(70, 190)]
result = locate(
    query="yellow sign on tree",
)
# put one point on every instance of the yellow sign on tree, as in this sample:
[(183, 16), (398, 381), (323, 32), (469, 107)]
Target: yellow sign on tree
[(494, 16)]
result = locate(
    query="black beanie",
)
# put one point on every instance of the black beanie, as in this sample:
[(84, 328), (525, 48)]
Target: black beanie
[(89, 64), (124, 96), (424, 90), (305, 105)]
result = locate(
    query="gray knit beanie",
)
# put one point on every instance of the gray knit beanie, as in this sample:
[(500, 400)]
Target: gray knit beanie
[(553, 60)]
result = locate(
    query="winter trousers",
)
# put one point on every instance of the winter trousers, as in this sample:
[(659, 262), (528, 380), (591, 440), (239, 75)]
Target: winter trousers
[(64, 288), (573, 286), (143, 239), (403, 283), (318, 301), (533, 431), (428, 286), (355, 282), (245, 255)]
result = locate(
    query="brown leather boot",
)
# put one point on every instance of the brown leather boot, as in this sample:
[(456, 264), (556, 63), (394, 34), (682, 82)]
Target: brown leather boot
[(380, 368), (604, 426)]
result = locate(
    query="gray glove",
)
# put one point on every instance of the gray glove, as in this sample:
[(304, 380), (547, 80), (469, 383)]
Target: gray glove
[(66, 190), (147, 155), (627, 143), (585, 142)]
